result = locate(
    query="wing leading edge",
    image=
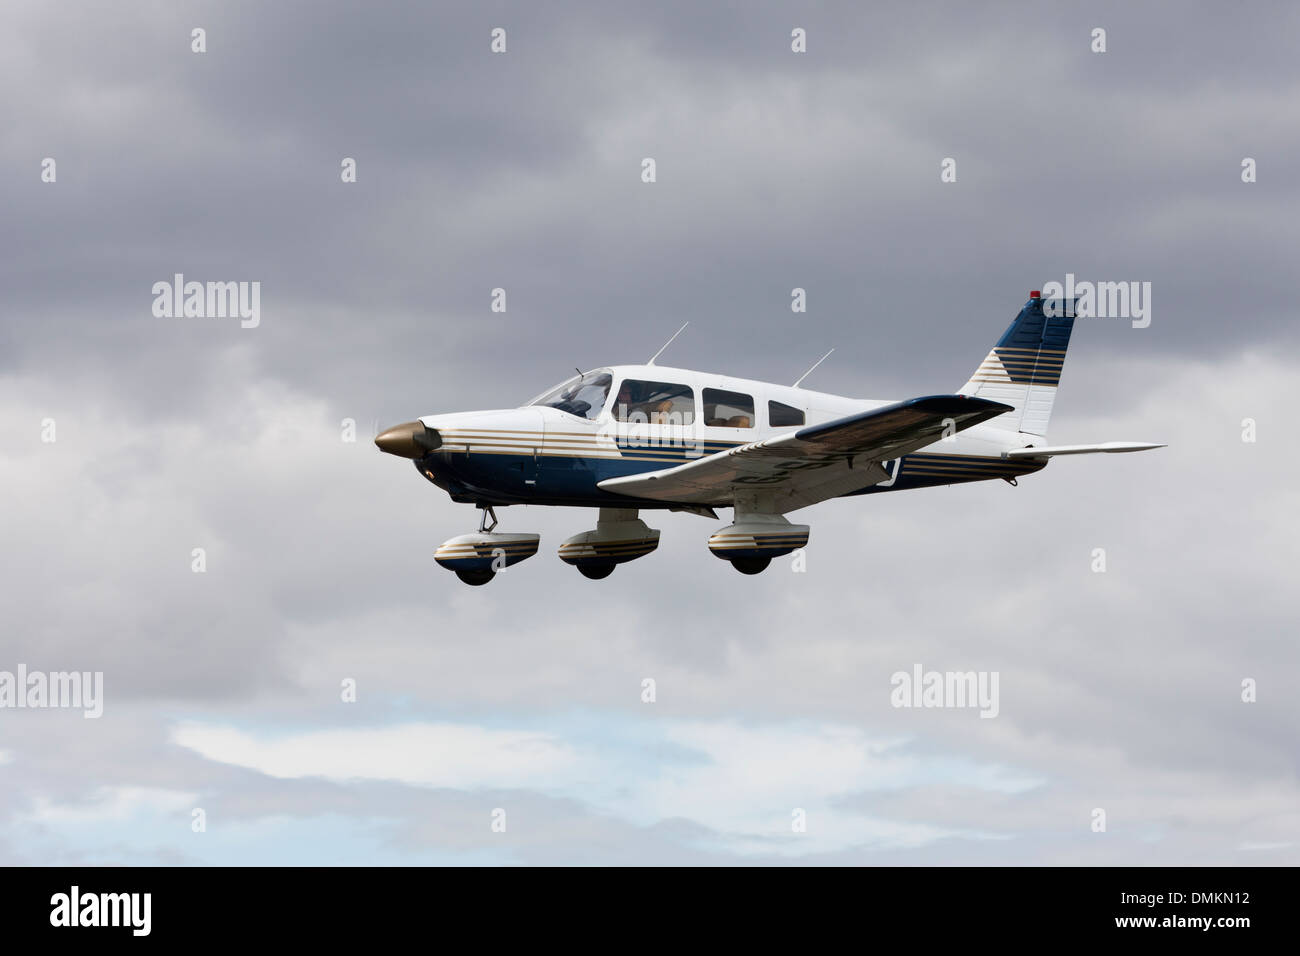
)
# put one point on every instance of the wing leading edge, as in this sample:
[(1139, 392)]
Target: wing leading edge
[(816, 462)]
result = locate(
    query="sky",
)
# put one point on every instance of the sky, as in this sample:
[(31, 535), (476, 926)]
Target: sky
[(506, 725)]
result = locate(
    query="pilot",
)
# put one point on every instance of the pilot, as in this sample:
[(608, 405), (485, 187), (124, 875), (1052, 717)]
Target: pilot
[(654, 412), (624, 406)]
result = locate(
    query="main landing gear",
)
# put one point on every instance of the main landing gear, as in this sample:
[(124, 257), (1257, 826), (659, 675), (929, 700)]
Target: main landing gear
[(754, 539), (750, 565), (620, 536)]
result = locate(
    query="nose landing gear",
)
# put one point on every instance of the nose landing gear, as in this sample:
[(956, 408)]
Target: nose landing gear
[(476, 558)]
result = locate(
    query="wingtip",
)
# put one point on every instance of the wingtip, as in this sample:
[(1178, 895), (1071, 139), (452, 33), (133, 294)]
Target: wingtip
[(957, 404)]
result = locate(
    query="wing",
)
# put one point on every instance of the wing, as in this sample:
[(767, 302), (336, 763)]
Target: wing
[(814, 463)]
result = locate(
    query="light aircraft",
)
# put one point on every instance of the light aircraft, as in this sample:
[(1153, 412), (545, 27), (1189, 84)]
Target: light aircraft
[(631, 438)]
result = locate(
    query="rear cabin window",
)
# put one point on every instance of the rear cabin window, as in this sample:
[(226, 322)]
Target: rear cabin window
[(779, 415), (728, 409), (656, 403)]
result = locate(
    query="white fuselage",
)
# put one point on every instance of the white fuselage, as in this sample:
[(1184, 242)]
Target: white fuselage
[(545, 454)]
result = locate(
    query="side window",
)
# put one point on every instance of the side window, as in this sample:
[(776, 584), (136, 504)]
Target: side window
[(779, 415), (658, 403), (728, 409)]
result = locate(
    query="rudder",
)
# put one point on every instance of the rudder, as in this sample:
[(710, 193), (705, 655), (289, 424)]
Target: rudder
[(1023, 369)]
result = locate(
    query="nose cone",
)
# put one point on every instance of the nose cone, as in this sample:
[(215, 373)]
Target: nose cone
[(409, 440)]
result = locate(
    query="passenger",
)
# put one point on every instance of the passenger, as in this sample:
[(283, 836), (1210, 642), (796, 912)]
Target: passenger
[(663, 413)]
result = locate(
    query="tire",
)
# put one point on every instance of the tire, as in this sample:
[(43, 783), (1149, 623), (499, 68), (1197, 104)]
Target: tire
[(476, 578), (596, 571), (751, 565)]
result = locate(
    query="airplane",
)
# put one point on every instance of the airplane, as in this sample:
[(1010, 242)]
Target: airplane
[(630, 438)]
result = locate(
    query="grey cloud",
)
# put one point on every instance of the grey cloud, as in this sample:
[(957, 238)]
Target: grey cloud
[(775, 171)]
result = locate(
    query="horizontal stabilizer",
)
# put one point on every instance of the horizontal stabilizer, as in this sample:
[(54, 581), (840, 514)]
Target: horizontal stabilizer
[(1108, 447)]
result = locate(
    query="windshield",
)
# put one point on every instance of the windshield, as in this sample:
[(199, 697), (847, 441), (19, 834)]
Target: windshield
[(583, 396)]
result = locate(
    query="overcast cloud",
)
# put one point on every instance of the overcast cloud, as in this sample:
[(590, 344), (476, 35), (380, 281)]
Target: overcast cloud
[(775, 170)]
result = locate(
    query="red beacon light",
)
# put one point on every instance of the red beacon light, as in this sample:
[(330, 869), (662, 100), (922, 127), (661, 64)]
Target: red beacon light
[(1035, 294)]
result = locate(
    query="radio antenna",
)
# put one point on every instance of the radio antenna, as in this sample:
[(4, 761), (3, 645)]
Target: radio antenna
[(668, 343), (810, 371)]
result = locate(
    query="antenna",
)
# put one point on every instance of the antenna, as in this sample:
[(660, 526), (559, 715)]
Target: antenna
[(668, 343), (810, 371)]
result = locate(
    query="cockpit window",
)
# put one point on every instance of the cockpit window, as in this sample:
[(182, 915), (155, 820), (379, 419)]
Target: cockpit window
[(583, 395)]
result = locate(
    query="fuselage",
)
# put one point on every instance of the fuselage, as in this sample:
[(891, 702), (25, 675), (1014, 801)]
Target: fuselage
[(629, 419)]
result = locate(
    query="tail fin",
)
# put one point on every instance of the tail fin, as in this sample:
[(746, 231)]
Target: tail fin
[(1024, 368)]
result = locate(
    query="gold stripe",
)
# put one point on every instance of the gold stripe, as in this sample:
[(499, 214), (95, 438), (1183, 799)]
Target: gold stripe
[(955, 470), (1054, 380), (611, 541), (587, 550), (756, 542), (506, 434), (630, 543), (999, 463), (552, 449), (937, 462), (746, 547), (762, 534), (972, 475), (478, 552)]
